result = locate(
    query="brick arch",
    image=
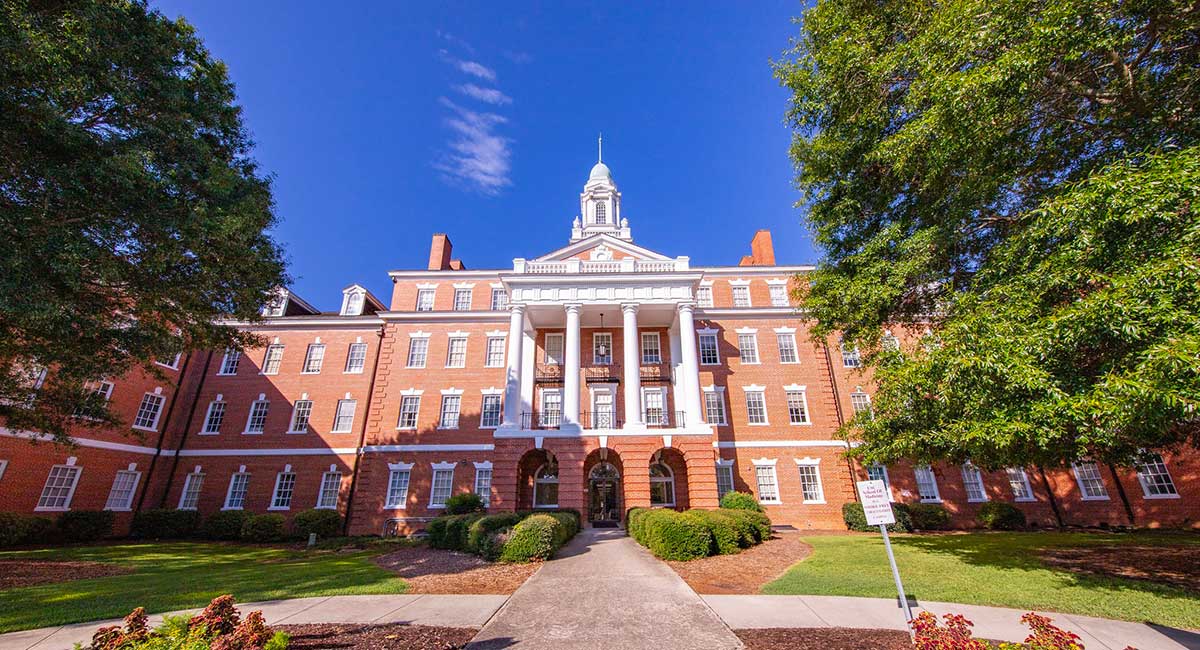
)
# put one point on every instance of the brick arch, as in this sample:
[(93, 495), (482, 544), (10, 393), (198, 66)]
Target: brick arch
[(589, 463), (675, 460), (526, 467)]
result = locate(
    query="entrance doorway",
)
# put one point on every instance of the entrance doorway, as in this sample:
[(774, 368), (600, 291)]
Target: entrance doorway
[(603, 507)]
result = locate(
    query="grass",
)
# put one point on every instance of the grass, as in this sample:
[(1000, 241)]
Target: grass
[(999, 569), (183, 575)]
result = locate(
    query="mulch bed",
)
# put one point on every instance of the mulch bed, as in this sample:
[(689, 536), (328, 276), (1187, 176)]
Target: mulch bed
[(432, 571), (26, 573), (828, 638), (745, 572), (1178, 566), (376, 637)]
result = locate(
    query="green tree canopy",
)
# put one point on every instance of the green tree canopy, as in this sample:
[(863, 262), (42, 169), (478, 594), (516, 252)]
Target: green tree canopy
[(1017, 175), (132, 216)]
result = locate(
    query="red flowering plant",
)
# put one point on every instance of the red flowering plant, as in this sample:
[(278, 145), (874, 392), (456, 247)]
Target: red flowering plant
[(928, 634), (218, 627)]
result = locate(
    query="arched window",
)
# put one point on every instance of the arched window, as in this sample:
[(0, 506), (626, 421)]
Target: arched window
[(354, 304), (545, 486), (662, 485), (604, 471), (601, 217)]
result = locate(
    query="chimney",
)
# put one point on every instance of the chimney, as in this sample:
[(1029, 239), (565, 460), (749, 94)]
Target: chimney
[(439, 252), (762, 251)]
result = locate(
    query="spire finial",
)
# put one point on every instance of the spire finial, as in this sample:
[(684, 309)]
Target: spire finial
[(600, 148)]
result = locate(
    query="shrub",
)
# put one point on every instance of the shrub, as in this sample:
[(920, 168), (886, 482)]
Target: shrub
[(671, 535), (531, 539), (726, 538), (17, 529), (928, 634), (436, 530), (461, 504), (458, 529), (633, 523), (263, 528), (997, 515), (568, 525), (758, 523), (165, 524), (740, 501), (86, 525), (225, 525), (929, 516), (324, 522), (217, 627), (852, 514), (483, 534)]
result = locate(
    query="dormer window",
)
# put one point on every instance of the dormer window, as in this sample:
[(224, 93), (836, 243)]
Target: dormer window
[(353, 304), (276, 306), (601, 217)]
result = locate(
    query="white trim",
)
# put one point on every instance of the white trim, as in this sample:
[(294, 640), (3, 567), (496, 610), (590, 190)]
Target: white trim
[(457, 334), (82, 442), (764, 461), (777, 281), (494, 334), (464, 285), (785, 330), (740, 282), (807, 460), (488, 391), (746, 330), (426, 285), (708, 330), (400, 467), (314, 451), (419, 335), (411, 392), (487, 464), (452, 391), (754, 388), (371, 449), (781, 444), (724, 462)]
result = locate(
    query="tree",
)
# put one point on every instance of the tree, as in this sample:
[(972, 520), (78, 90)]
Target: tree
[(974, 167), (132, 217)]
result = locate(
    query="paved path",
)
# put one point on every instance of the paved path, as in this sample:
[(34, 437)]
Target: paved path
[(997, 623), (603, 590)]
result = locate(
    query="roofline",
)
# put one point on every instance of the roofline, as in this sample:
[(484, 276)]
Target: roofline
[(713, 270), (301, 322)]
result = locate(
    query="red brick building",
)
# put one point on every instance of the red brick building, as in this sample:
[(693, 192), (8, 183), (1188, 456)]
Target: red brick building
[(599, 376)]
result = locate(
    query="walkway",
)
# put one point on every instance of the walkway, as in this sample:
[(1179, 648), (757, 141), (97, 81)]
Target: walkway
[(603, 590)]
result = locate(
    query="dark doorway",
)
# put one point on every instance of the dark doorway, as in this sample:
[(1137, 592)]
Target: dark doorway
[(604, 509)]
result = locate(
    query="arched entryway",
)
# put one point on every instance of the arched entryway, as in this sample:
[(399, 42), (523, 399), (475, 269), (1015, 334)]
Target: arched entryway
[(538, 484), (668, 479), (605, 494)]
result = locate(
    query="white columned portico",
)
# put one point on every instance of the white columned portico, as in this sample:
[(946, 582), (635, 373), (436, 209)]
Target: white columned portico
[(633, 367), (512, 387), (571, 370), (693, 414)]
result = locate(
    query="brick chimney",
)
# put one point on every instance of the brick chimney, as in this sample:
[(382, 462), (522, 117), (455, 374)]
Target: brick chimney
[(762, 251), (439, 252)]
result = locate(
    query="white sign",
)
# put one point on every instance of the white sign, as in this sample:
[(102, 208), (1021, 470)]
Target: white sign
[(877, 505)]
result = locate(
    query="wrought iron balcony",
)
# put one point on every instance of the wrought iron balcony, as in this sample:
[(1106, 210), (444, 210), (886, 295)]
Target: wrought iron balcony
[(600, 420), (659, 373), (662, 419), (541, 419), (547, 374)]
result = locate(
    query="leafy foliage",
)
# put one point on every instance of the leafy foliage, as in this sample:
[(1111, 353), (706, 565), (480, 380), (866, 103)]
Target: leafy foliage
[(325, 523), (692, 534), (740, 501), (86, 525), (17, 529), (132, 217), (998, 515), (928, 516), (956, 635), (534, 538), (224, 525), (461, 504), (856, 519), (263, 528), (165, 524), (216, 628)]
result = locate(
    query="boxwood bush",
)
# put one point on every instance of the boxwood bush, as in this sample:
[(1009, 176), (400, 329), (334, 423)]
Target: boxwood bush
[(998, 515), (740, 501), (726, 538), (18, 529), (852, 514), (461, 504), (754, 526), (324, 522), (929, 516), (86, 525), (263, 528), (164, 523), (691, 534), (224, 525), (484, 536), (533, 538), (675, 535)]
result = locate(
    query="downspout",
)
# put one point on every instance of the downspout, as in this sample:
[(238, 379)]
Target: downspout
[(837, 408), (162, 434), (362, 436), (1050, 492), (1121, 492), (187, 427)]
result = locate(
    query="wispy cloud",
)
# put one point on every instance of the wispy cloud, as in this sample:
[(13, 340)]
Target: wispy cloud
[(473, 68), (519, 58), (486, 95), (478, 157), (456, 41)]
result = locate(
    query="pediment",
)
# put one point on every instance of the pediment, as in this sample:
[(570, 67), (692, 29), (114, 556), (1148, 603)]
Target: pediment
[(602, 247)]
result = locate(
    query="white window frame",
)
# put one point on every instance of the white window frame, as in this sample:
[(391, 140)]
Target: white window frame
[(330, 481), (436, 499), (418, 348), (216, 411), (272, 362), (547, 357), (1089, 466), (314, 359), (704, 296), (499, 299), (664, 418), (414, 397), (462, 299), (767, 465), (451, 353), (651, 355), (598, 339), (761, 392), (491, 419), (724, 473), (285, 486), (126, 505), (353, 368), (972, 477), (790, 392), (339, 415), (850, 357), (101, 387), (741, 294), (1156, 465), (493, 352), (74, 472), (399, 481), (748, 348), (803, 465), (445, 415), (545, 481), (716, 350), (302, 406), (189, 496), (937, 492), (425, 299), (241, 477), (229, 363), (173, 364), (778, 294), (1017, 476), (879, 472), (250, 416), (790, 339), (3, 466), (668, 480), (483, 482), (543, 412), (158, 400), (860, 402), (717, 393)]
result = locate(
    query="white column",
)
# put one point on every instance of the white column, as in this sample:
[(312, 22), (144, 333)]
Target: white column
[(571, 370), (633, 367), (512, 387), (690, 377)]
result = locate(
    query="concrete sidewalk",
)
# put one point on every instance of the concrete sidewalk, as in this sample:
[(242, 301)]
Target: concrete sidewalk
[(996, 623), (439, 610)]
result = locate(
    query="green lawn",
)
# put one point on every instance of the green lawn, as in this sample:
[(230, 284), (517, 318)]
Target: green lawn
[(183, 575), (1000, 569)]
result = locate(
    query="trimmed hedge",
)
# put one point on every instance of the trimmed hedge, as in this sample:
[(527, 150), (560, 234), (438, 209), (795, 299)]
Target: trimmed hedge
[(324, 522), (740, 501), (225, 525), (485, 535), (86, 525), (263, 528), (726, 538), (461, 504), (757, 524), (502, 536), (568, 526), (18, 529), (534, 538), (687, 535), (929, 516), (449, 532), (164, 523), (998, 515), (852, 514)]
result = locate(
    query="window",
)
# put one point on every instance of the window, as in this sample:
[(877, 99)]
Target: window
[(120, 497), (462, 300), (170, 362), (272, 359), (301, 413), (879, 473), (602, 348), (257, 421), (3, 466), (1155, 479), (483, 484), (235, 498), (741, 296), (489, 414), (499, 299), (601, 217), (605, 411), (748, 347), (409, 406), (860, 402), (973, 482), (927, 488), (314, 358), (148, 412), (356, 358), (850, 357), (450, 409), (756, 407), (494, 354), (779, 297), (1018, 480), (545, 486), (810, 483), (724, 480), (418, 349), (708, 350), (343, 419), (662, 485), (551, 415), (214, 417), (97, 392), (651, 348), (1087, 474), (889, 342), (190, 496), (456, 353), (59, 488), (714, 406), (397, 495), (554, 350), (354, 304), (443, 482), (331, 484), (285, 485), (768, 487), (425, 300), (797, 404), (704, 297), (653, 400), (277, 306), (229, 362), (787, 348)]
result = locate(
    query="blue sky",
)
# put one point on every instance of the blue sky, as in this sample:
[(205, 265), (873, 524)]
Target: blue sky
[(389, 122)]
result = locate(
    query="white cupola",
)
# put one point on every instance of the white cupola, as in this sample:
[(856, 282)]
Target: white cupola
[(600, 204)]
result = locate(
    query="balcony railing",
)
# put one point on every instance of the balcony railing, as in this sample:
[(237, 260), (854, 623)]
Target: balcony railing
[(600, 420), (627, 265), (659, 373), (662, 419), (541, 419), (545, 374)]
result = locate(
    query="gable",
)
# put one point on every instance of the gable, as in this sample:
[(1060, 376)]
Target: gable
[(602, 247)]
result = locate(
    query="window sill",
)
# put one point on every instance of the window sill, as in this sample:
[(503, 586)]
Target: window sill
[(310, 372), (489, 426), (1087, 498), (227, 508), (269, 374), (208, 433), (406, 428), (329, 507), (414, 367), (139, 428), (1160, 496), (279, 508), (801, 424), (789, 363), (66, 509), (977, 500), (758, 424), (814, 503), (296, 433), (937, 500), (352, 372), (252, 433), (341, 431), (1026, 500), (227, 374), (447, 428), (388, 506), (441, 507), (770, 503), (751, 363), (166, 366)]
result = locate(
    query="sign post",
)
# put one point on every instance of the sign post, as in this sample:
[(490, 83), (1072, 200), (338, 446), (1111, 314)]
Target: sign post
[(878, 509)]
